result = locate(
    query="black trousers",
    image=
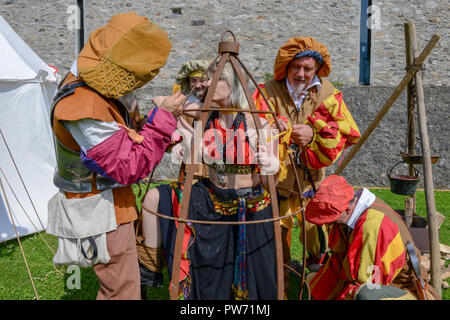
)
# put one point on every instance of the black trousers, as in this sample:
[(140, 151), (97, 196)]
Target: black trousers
[(213, 248)]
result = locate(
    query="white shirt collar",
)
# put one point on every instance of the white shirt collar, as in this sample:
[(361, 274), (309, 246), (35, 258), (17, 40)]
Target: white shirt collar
[(299, 100), (74, 68), (365, 200)]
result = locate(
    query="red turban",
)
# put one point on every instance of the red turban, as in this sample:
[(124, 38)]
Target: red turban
[(296, 45), (330, 200)]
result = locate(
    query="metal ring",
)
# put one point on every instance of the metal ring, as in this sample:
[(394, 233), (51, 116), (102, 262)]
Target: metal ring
[(222, 222), (228, 109), (228, 31), (390, 171)]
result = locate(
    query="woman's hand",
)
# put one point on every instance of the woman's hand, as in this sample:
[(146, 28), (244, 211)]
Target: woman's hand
[(177, 154), (267, 162)]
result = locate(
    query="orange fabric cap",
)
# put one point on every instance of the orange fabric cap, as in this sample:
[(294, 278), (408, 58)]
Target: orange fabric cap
[(330, 200), (123, 55), (296, 45)]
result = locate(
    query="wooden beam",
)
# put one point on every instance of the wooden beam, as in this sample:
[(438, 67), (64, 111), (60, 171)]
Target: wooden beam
[(410, 35), (433, 230), (398, 90)]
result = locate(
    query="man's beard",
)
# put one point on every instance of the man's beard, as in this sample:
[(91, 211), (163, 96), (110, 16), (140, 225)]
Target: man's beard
[(299, 87), (199, 93)]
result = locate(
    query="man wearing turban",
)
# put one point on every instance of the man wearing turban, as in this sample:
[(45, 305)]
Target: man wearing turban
[(101, 150), (321, 129)]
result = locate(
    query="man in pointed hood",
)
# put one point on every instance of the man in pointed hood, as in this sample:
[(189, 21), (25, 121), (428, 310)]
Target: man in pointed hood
[(100, 149)]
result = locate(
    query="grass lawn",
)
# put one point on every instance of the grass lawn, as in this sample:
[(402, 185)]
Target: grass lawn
[(52, 282)]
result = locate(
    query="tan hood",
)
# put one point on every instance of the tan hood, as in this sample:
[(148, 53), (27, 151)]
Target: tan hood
[(123, 55)]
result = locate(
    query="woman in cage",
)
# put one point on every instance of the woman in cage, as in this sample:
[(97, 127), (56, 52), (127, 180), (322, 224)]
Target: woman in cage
[(219, 261)]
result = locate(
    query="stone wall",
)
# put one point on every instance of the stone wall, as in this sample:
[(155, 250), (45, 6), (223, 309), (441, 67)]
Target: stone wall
[(261, 27), (388, 53)]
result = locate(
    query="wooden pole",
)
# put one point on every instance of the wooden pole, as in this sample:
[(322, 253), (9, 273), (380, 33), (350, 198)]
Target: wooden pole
[(410, 35), (433, 230), (398, 90)]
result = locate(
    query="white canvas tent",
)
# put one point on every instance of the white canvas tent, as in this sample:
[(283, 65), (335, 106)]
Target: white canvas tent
[(27, 85)]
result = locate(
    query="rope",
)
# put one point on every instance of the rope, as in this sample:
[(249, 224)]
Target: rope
[(18, 240), (15, 196), (23, 183), (228, 110), (222, 222)]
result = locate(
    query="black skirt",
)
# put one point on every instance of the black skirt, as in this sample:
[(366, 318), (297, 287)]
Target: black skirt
[(213, 249)]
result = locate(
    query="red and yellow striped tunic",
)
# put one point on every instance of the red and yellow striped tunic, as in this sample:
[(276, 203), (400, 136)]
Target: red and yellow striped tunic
[(334, 130), (372, 252), (333, 125)]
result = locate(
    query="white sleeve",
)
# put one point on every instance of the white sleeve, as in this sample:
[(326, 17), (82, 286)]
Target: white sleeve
[(88, 132)]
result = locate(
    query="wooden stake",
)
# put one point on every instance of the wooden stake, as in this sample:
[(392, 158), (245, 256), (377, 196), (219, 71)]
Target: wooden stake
[(398, 90), (410, 35), (409, 210), (433, 231)]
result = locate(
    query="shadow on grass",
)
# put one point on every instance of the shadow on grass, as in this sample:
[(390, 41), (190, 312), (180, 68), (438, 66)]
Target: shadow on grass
[(11, 247), (162, 293), (294, 288)]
